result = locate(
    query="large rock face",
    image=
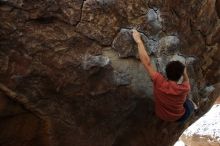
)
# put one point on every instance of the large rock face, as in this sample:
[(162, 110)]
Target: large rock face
[(70, 74)]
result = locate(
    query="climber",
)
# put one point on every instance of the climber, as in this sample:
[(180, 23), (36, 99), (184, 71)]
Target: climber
[(171, 102)]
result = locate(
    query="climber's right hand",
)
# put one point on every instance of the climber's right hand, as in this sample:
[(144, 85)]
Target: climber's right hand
[(136, 36)]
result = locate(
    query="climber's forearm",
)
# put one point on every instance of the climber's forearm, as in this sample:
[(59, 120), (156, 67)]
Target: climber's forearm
[(185, 76), (144, 57)]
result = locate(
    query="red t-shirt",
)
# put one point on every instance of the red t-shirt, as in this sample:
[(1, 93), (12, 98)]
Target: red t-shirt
[(169, 97)]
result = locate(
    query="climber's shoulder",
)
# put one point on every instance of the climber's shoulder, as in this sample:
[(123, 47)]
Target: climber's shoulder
[(157, 76), (186, 85)]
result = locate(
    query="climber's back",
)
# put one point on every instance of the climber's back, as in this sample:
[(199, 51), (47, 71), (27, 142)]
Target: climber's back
[(169, 97)]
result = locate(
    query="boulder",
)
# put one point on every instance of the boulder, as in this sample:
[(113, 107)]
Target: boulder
[(70, 73)]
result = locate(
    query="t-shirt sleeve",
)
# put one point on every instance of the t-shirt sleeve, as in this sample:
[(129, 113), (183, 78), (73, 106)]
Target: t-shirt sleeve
[(186, 85)]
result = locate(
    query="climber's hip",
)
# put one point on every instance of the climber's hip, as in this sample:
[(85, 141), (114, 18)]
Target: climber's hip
[(189, 108)]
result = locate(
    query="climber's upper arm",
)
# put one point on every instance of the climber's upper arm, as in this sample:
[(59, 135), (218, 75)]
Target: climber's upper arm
[(150, 69)]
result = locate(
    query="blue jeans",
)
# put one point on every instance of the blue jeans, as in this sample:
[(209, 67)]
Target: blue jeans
[(189, 109)]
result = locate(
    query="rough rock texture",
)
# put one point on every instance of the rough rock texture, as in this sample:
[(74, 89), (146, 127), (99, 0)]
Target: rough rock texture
[(69, 69)]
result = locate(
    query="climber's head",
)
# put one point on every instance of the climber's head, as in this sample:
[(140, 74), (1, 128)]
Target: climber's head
[(174, 70)]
